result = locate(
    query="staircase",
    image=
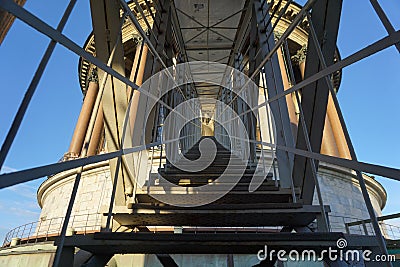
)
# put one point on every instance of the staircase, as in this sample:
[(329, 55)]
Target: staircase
[(269, 205)]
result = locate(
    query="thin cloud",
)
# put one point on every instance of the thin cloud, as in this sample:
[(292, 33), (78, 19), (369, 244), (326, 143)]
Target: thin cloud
[(7, 169), (20, 209), (24, 190)]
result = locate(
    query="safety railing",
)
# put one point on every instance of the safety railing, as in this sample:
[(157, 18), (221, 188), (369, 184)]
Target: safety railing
[(241, 133), (392, 232), (389, 231), (44, 230)]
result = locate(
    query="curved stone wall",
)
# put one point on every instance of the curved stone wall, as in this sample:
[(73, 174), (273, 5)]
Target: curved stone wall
[(339, 188), (94, 192)]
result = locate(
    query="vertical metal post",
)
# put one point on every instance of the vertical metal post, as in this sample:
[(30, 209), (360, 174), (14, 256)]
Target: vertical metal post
[(326, 13), (84, 153), (294, 198), (384, 19), (309, 148), (112, 199), (313, 166), (275, 87)]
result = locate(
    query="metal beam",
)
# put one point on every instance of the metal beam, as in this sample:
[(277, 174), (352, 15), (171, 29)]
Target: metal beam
[(324, 224), (325, 17), (67, 256), (241, 33), (371, 49), (275, 87), (110, 50), (6, 21), (38, 24), (153, 65), (379, 237), (106, 29), (275, 47), (98, 260), (211, 243), (367, 51), (55, 35), (178, 31), (205, 47), (380, 218), (384, 19)]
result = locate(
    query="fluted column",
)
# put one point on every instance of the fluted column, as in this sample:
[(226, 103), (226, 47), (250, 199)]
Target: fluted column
[(329, 146), (139, 64), (300, 59), (84, 117), (333, 141), (338, 133), (98, 132), (289, 98)]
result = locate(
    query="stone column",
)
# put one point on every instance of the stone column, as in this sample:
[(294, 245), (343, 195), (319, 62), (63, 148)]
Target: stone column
[(289, 98), (84, 117), (338, 133), (329, 146), (139, 63), (98, 132), (333, 141), (300, 59)]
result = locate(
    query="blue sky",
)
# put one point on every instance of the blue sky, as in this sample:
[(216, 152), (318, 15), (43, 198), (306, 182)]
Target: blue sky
[(369, 97)]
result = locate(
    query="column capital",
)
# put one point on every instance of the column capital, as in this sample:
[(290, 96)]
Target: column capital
[(277, 35), (300, 55), (137, 38), (93, 77)]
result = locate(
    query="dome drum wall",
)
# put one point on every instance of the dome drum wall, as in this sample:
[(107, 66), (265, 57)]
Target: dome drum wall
[(94, 193), (339, 188)]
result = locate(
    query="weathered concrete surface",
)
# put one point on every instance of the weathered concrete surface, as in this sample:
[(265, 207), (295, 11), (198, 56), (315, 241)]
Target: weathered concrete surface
[(32, 255)]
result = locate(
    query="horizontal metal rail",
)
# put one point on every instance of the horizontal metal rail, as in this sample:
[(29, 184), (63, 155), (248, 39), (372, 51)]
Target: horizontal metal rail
[(10, 179), (380, 218), (42, 230)]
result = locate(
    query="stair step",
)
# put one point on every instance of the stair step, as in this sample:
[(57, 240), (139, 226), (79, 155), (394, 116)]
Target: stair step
[(212, 206), (211, 170), (195, 181), (215, 216), (233, 197), (234, 193), (210, 175)]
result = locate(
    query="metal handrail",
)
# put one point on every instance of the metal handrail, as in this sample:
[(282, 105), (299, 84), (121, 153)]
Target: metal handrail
[(42, 230), (390, 231)]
